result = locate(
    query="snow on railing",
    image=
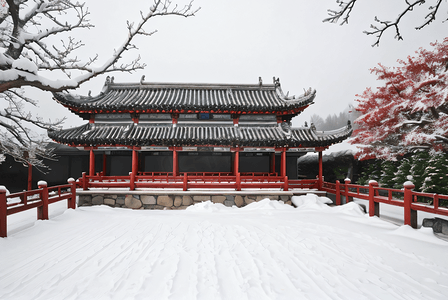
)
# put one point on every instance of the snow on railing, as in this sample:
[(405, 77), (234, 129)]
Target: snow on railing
[(40, 199)]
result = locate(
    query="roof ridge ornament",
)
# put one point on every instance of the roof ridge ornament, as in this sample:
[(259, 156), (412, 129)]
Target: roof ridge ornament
[(277, 82), (142, 79)]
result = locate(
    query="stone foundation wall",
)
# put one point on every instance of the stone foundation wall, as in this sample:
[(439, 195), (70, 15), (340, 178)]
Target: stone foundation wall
[(135, 201)]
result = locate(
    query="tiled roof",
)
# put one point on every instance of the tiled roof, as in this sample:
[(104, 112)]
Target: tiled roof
[(100, 134), (177, 97)]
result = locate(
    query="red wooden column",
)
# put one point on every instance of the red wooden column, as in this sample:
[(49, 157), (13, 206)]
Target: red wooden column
[(92, 163), (236, 168), (134, 167), (283, 163), (30, 177), (320, 178), (236, 162), (175, 162)]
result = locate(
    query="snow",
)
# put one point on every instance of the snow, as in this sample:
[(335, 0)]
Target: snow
[(25, 64), (266, 250)]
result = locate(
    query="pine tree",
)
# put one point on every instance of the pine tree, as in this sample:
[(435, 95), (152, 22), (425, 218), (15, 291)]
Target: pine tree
[(388, 173), (435, 175), (403, 171), (419, 163), (370, 172)]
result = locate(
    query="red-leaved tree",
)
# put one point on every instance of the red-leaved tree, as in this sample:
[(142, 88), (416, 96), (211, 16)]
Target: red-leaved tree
[(408, 112)]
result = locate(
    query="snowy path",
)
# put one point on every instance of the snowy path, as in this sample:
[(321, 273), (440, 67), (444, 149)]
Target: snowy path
[(265, 251)]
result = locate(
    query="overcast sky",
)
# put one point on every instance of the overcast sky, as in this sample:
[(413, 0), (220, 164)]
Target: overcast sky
[(235, 41)]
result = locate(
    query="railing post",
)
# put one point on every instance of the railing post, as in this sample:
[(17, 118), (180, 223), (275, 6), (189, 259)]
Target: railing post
[(71, 203), (286, 184), (3, 212), (238, 181), (42, 211), (185, 183), (436, 201), (347, 182), (374, 207), (84, 181), (131, 181), (338, 193), (410, 215)]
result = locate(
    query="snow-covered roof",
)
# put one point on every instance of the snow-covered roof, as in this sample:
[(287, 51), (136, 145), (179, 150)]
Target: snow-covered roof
[(187, 97)]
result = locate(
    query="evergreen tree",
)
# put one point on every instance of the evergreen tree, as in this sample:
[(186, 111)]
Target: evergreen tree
[(435, 175), (403, 171), (371, 171), (388, 173), (420, 161)]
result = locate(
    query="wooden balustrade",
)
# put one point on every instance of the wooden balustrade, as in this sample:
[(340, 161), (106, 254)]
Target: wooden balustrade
[(40, 199)]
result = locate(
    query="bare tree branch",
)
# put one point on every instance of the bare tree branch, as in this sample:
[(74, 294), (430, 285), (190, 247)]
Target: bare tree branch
[(381, 26)]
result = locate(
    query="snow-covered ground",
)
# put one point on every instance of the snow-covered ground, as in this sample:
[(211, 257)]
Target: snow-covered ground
[(267, 250)]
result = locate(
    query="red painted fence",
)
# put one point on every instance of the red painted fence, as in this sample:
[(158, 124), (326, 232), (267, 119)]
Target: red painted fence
[(39, 199), (410, 200), (188, 181)]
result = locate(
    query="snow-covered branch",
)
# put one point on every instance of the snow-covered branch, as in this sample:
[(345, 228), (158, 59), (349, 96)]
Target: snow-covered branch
[(29, 57)]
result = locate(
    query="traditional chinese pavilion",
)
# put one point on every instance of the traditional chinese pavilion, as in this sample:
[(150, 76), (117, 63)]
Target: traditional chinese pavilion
[(189, 133)]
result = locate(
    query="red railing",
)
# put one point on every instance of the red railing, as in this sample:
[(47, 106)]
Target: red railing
[(410, 200), (197, 180), (40, 199)]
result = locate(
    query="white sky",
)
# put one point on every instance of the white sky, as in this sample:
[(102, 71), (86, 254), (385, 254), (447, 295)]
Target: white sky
[(231, 41)]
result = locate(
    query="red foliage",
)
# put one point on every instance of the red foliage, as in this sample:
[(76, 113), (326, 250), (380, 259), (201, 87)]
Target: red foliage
[(410, 110)]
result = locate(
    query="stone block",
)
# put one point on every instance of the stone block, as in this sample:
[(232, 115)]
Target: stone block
[(219, 199), (284, 198), (165, 201), (97, 200), (229, 203), (248, 200), (147, 199), (109, 201), (120, 200), (178, 201), (230, 197), (259, 198), (288, 202), (239, 201), (201, 198), (132, 202), (84, 200), (273, 197), (186, 200), (438, 225)]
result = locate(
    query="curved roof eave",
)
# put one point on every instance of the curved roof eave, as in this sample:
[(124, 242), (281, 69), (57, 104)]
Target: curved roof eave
[(146, 135)]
